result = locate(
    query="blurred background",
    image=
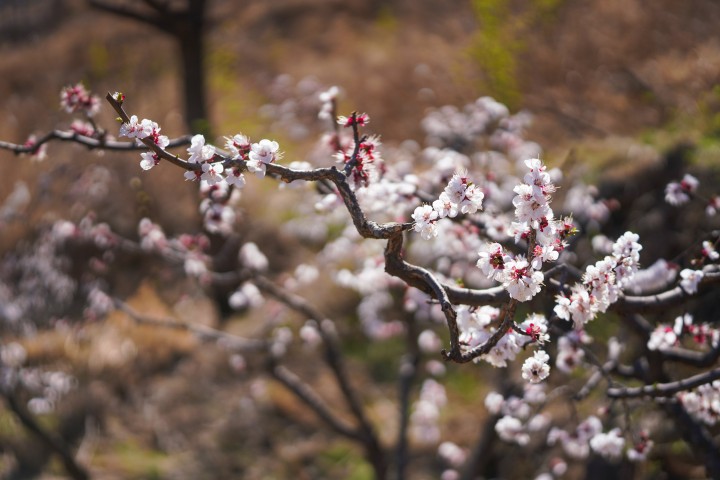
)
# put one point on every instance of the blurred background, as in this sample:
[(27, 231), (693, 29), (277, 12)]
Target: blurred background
[(616, 88)]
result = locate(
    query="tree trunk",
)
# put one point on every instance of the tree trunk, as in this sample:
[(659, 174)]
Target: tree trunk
[(190, 34)]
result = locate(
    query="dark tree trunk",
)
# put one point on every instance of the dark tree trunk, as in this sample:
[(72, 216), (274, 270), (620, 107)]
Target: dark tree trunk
[(189, 32), (187, 27), (193, 82)]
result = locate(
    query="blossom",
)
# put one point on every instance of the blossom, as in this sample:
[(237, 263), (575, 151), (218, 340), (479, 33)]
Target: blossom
[(261, 154), (235, 177), (662, 338), (247, 296), (690, 280), (535, 326), (310, 335), (199, 152), (546, 253), (429, 342), (151, 235), (239, 146), (39, 153), (521, 281), (76, 98), (359, 119), (452, 454), (712, 206), (609, 445), (445, 207), (12, 355), (212, 172), (627, 246), (678, 193), (217, 217), (149, 160), (641, 449), (708, 250), (251, 257), (327, 98), (425, 218), (494, 402), (472, 199), (85, 129), (510, 429), (536, 369), (135, 129), (195, 266), (492, 261)]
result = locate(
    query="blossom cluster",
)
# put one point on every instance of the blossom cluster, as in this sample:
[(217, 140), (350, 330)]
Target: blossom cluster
[(535, 223), (460, 196), (208, 164), (424, 420), (602, 282), (145, 129), (477, 325), (680, 192), (76, 98), (362, 157), (665, 337), (46, 388), (518, 416), (703, 403)]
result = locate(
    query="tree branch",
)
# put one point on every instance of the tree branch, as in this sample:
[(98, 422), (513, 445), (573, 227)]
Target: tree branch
[(665, 389), (89, 142), (203, 333), (55, 443), (155, 21), (303, 391)]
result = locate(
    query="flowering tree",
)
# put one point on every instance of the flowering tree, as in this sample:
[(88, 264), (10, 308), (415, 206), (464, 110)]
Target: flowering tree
[(457, 246)]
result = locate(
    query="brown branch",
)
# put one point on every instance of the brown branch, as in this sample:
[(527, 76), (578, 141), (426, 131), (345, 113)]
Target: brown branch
[(424, 280), (89, 142), (174, 159), (352, 163), (665, 389)]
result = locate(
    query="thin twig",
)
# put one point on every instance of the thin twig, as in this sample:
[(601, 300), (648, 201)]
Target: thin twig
[(202, 332), (91, 143)]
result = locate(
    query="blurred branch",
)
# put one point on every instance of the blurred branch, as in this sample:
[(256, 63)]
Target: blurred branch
[(665, 389), (663, 300), (53, 442), (691, 357), (122, 11), (202, 332), (303, 391), (334, 358)]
